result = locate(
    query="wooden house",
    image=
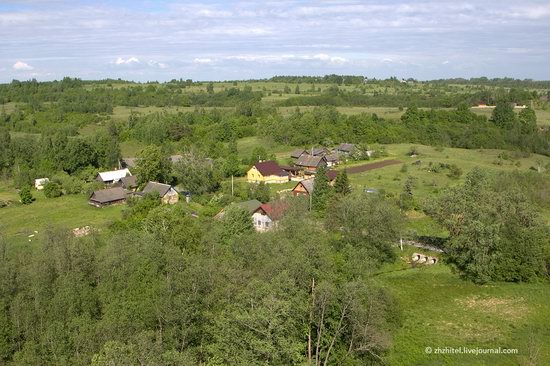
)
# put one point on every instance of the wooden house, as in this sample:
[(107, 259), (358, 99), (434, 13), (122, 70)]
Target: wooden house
[(167, 193), (268, 172), (107, 197), (306, 186), (310, 164)]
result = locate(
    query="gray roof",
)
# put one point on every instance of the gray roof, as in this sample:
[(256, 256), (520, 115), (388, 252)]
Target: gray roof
[(129, 181), (297, 153), (108, 195), (308, 160), (346, 147), (332, 157), (250, 206), (161, 188), (319, 151), (308, 184)]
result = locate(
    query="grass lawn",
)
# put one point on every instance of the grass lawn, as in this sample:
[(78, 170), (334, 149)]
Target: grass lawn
[(130, 148), (441, 310), (18, 221)]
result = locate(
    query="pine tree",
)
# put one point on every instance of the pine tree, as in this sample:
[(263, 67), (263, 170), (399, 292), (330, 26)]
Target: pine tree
[(341, 185), (321, 191)]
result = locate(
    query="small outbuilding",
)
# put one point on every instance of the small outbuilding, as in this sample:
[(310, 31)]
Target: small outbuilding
[(113, 176), (107, 197), (167, 193)]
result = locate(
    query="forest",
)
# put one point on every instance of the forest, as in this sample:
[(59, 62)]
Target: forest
[(333, 283)]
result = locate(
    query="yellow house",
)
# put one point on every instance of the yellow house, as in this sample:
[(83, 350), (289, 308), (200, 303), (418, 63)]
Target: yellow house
[(267, 172)]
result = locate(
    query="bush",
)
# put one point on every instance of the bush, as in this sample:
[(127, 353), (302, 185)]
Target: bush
[(26, 195), (52, 190)]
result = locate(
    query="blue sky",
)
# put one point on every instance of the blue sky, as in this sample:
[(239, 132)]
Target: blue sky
[(225, 40)]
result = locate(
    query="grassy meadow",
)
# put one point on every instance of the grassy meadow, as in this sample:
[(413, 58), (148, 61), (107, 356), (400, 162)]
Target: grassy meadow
[(442, 310), (18, 221)]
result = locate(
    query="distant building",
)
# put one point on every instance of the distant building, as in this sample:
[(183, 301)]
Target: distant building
[(40, 183), (306, 186), (346, 149), (167, 193), (113, 176), (268, 172), (297, 153), (107, 197), (310, 164), (266, 216), (250, 206), (129, 183)]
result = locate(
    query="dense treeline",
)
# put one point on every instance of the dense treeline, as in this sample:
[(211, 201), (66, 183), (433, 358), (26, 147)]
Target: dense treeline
[(327, 79), (172, 289)]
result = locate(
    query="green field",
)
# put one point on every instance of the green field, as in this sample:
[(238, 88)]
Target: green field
[(18, 221), (441, 310)]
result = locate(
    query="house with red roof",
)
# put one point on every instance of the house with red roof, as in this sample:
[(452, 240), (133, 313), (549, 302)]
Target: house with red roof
[(268, 172), (268, 214)]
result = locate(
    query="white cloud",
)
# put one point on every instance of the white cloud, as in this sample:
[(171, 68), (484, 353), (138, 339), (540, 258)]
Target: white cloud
[(445, 62), (205, 60), (128, 61), (154, 63), (22, 66)]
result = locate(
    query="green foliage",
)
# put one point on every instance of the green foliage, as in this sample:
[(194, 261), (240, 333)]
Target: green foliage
[(321, 192), (368, 223), (342, 185), (52, 190), (261, 192), (25, 195), (503, 115), (495, 234), (236, 221), (197, 174), (454, 171), (152, 165)]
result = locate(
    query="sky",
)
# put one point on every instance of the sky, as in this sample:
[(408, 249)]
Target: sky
[(145, 40)]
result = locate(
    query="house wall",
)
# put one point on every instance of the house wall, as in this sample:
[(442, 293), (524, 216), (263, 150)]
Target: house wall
[(261, 222), (170, 198), (299, 190), (254, 176)]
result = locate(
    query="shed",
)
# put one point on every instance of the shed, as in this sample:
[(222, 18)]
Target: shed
[(106, 197)]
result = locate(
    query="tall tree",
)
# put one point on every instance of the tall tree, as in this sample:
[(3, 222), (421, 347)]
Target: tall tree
[(321, 192), (503, 115), (152, 165), (342, 185)]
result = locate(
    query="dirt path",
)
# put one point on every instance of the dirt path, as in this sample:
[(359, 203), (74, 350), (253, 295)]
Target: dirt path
[(371, 166)]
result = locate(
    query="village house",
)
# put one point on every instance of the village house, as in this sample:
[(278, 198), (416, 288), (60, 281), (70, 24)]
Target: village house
[(113, 176), (129, 183), (297, 153), (167, 193), (310, 164), (107, 197), (333, 159), (40, 183), (306, 186), (320, 151), (346, 149), (251, 206), (267, 215), (268, 172)]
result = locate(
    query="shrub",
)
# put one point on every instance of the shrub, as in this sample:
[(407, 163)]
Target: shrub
[(52, 190), (26, 195)]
